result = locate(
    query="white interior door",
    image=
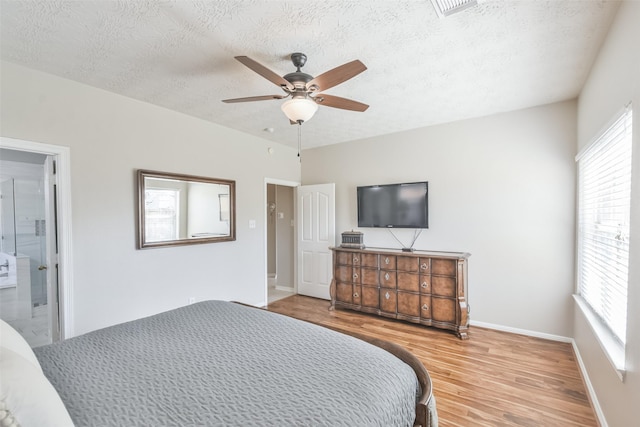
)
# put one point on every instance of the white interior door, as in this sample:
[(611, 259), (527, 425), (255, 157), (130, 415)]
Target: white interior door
[(316, 218)]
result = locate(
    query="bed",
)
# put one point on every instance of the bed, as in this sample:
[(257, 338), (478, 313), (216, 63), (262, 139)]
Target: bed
[(219, 363)]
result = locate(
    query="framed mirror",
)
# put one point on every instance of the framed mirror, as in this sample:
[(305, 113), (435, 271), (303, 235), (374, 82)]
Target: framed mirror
[(176, 209)]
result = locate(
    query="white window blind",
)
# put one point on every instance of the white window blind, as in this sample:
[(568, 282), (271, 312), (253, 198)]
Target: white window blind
[(604, 200), (161, 214)]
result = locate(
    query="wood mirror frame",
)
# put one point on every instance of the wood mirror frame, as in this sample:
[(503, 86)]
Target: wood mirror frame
[(177, 209)]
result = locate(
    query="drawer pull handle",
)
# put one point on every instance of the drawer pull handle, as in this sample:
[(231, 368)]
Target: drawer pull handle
[(355, 275), (386, 276), (386, 260), (355, 295), (387, 296), (425, 307), (424, 285), (355, 259), (424, 266)]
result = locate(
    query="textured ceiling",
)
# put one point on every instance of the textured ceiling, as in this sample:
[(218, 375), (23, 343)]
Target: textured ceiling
[(498, 56)]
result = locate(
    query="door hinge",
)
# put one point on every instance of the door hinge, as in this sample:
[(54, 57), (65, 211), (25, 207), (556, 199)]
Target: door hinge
[(54, 167)]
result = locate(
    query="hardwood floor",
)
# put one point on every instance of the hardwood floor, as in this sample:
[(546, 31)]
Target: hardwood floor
[(493, 379)]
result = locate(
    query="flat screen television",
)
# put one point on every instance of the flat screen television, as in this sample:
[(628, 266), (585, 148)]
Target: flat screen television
[(394, 205)]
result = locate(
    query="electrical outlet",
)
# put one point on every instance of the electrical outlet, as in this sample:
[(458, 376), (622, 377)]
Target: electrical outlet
[(192, 300)]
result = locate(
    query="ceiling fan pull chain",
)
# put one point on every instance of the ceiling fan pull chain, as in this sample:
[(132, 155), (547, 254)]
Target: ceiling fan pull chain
[(299, 139)]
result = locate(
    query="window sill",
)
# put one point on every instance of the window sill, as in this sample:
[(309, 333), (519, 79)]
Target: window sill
[(611, 347)]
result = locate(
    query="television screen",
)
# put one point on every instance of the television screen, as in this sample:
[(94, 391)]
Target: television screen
[(394, 205)]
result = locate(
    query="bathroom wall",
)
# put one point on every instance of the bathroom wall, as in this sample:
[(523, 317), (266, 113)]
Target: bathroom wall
[(26, 235), (284, 236)]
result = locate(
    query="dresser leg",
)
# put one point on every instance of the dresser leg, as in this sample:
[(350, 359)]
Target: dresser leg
[(332, 293)]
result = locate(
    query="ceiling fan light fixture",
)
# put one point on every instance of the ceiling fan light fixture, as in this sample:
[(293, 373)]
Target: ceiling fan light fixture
[(299, 109)]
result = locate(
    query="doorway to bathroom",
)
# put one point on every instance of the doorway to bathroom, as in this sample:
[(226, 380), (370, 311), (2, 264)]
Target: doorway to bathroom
[(280, 227), (28, 247)]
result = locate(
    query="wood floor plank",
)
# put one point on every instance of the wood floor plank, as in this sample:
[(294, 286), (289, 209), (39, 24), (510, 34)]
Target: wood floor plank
[(493, 379)]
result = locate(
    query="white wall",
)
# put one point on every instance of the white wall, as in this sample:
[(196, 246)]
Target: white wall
[(111, 136), (613, 82), (500, 187), (204, 209)]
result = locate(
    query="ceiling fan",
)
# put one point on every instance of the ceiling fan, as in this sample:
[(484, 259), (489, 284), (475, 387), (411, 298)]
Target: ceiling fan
[(305, 89)]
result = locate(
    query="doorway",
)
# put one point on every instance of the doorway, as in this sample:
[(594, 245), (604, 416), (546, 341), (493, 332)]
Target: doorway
[(35, 249), (24, 218), (280, 242), (280, 235)]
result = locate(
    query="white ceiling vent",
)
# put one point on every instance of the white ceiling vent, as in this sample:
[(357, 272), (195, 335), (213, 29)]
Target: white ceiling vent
[(449, 7)]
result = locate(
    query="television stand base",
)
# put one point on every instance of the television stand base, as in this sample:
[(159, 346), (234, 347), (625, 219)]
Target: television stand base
[(407, 249)]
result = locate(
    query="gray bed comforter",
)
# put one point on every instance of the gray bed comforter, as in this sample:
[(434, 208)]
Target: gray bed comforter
[(216, 363)]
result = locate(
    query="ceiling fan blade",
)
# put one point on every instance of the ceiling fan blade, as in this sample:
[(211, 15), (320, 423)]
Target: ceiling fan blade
[(265, 72), (338, 102), (254, 98), (338, 75)]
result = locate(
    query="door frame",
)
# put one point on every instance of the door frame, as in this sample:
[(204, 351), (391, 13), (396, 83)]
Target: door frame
[(283, 183), (62, 157)]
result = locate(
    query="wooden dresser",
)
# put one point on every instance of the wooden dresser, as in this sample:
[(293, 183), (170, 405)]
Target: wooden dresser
[(429, 288)]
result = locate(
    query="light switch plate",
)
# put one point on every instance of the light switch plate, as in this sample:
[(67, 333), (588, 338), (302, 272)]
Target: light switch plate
[(252, 223)]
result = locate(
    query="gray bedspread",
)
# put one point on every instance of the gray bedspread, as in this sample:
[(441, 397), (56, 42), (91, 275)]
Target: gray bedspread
[(216, 363)]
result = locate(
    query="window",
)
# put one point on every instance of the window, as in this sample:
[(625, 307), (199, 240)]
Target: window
[(161, 213), (604, 200)]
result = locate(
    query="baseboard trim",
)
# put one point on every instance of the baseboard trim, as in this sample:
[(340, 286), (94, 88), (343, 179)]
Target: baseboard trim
[(284, 288), (519, 331), (587, 382), (581, 366)]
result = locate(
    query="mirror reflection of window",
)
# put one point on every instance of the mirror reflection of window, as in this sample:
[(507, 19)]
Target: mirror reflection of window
[(224, 207), (162, 214)]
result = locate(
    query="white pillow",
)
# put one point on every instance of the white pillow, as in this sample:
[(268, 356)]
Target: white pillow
[(27, 398), (12, 340)]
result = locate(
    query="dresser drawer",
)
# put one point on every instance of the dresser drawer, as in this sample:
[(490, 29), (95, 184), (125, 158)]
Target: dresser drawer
[(387, 279), (388, 300), (405, 263), (425, 265), (408, 281), (345, 273), (357, 294), (369, 276), (388, 262), (443, 286), (425, 284), (344, 258), (425, 307), (408, 304), (444, 267), (344, 292), (355, 259), (443, 309), (370, 297), (369, 260)]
